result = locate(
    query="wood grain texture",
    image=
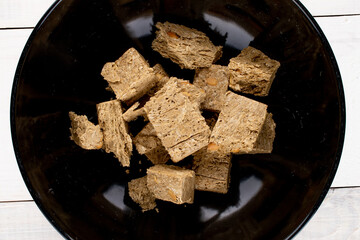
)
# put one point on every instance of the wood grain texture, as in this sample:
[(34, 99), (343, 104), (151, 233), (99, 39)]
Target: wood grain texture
[(22, 13), (332, 7), (12, 186), (23, 220), (337, 218)]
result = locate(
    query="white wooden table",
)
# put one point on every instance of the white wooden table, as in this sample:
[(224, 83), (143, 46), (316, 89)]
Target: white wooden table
[(337, 218)]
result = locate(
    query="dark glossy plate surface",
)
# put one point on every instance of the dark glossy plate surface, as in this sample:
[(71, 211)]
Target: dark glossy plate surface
[(83, 193)]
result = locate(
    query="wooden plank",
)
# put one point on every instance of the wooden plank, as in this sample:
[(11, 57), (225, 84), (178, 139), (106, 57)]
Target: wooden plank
[(22, 13), (26, 13), (337, 218), (343, 34), (332, 7), (12, 185), (23, 220)]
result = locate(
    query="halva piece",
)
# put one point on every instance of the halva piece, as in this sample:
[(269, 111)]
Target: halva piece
[(171, 183), (212, 169), (84, 133), (147, 142), (252, 72), (116, 137), (177, 121), (130, 77), (185, 46), (214, 81), (239, 124), (264, 143), (139, 193)]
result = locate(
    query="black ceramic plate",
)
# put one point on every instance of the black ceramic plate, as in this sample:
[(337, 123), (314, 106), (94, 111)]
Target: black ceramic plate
[(84, 194)]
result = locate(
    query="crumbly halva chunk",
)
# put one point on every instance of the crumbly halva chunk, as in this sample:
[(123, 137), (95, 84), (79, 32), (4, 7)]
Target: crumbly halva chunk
[(139, 193), (177, 121), (185, 46), (252, 72), (212, 169), (264, 143), (130, 77), (215, 82), (171, 183), (239, 124), (84, 133), (116, 137), (147, 142)]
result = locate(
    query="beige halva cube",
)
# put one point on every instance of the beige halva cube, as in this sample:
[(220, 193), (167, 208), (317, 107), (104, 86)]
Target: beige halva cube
[(185, 46), (239, 125), (214, 81), (252, 72), (116, 137), (171, 183), (177, 121), (130, 77), (212, 169)]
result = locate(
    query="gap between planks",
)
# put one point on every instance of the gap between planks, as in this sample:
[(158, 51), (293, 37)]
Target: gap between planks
[(16, 28), (17, 201), (340, 15)]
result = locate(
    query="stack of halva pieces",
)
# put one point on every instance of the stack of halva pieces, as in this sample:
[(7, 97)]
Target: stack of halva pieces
[(175, 127)]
